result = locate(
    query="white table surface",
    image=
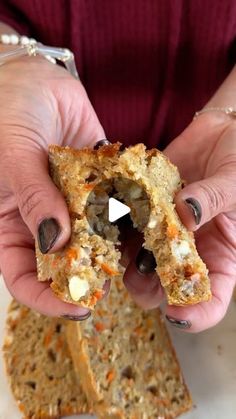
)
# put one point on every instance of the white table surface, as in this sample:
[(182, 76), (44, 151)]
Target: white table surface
[(208, 361)]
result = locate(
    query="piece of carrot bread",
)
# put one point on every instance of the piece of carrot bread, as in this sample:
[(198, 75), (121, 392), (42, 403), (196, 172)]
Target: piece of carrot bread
[(39, 366), (147, 182), (128, 365)]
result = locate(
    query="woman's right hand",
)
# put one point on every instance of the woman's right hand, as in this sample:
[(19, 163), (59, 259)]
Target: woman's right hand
[(40, 104)]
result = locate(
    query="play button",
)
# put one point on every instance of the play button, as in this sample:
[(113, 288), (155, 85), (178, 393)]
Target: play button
[(110, 202), (116, 210)]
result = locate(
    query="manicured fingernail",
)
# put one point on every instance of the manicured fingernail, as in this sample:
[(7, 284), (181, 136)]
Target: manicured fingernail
[(122, 147), (48, 232), (101, 143), (181, 324), (145, 261), (77, 318), (196, 209)]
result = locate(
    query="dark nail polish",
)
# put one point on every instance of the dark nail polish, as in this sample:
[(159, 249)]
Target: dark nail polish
[(145, 261), (196, 209), (181, 324), (77, 318), (48, 232), (122, 147), (101, 143)]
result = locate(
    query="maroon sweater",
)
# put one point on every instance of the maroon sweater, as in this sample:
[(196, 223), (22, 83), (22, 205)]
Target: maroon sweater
[(147, 65)]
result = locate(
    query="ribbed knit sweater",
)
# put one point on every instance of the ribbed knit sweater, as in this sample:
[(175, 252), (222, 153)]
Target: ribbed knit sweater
[(147, 65)]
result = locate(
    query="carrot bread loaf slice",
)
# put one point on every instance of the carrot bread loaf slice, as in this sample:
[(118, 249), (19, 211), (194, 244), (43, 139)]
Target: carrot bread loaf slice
[(147, 182), (128, 365), (39, 366)]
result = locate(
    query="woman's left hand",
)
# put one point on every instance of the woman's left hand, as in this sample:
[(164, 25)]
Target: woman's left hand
[(205, 154)]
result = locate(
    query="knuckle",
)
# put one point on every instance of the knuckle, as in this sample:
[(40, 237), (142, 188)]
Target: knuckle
[(7, 164), (30, 198), (216, 197)]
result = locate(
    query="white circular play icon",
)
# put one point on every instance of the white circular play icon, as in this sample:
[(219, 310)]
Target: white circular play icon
[(116, 210)]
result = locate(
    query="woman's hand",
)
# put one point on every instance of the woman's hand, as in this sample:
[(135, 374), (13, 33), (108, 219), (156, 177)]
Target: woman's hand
[(40, 104), (205, 154)]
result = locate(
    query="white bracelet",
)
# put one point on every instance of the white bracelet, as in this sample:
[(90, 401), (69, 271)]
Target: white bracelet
[(228, 111), (29, 46)]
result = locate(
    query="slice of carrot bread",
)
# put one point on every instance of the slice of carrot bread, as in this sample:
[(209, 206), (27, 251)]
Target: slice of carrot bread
[(128, 365), (39, 366), (79, 271)]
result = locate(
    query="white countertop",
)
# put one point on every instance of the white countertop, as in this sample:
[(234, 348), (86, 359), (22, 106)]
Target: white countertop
[(208, 361)]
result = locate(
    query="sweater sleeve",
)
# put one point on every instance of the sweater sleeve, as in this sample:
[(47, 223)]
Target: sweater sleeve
[(12, 16)]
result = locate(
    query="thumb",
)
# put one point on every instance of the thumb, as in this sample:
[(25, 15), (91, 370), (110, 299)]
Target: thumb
[(201, 201), (40, 203)]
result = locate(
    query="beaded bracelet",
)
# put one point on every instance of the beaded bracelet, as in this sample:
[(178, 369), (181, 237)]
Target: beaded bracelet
[(228, 111), (29, 46)]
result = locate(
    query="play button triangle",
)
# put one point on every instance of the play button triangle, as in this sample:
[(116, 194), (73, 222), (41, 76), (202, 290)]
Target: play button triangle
[(116, 209)]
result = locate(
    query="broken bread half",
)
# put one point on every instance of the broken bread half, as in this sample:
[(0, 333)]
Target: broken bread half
[(128, 365), (39, 366), (147, 182)]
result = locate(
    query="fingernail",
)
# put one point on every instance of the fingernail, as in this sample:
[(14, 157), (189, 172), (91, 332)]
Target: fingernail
[(101, 143), (122, 147), (181, 324), (48, 232), (196, 209), (145, 261), (76, 318)]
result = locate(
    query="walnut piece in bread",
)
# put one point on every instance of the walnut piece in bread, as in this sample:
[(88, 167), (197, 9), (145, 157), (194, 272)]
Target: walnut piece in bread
[(78, 272)]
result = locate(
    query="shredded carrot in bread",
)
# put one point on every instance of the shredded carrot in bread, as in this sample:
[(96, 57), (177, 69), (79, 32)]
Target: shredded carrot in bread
[(21, 407), (98, 294), (47, 338), (71, 253), (99, 326), (88, 187), (188, 271), (12, 324), (55, 261), (108, 151), (110, 376), (172, 231), (139, 330), (92, 300), (106, 268)]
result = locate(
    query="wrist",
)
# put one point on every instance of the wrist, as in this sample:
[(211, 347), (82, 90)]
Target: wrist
[(5, 48), (217, 113), (29, 47), (212, 124)]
